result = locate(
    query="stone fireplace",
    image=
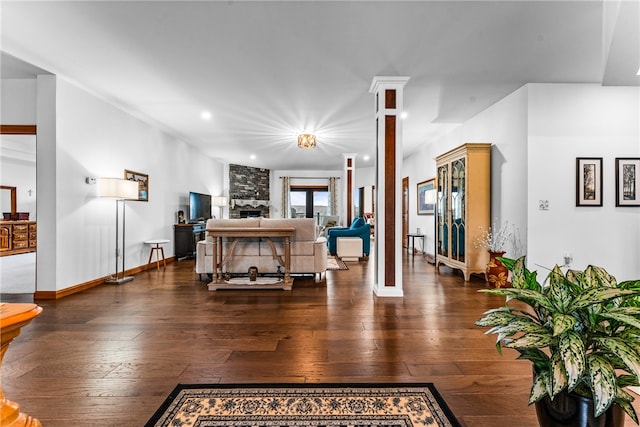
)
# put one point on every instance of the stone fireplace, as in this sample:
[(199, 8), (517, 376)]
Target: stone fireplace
[(244, 213), (248, 191)]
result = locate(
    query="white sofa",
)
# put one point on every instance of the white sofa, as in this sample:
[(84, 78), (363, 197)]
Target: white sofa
[(308, 251)]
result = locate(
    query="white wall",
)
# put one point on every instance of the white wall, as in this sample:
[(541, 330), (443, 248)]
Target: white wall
[(18, 101), (569, 121), (17, 158), (504, 125), (537, 132), (94, 138)]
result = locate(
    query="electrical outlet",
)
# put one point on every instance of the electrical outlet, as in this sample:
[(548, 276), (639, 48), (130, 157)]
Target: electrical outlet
[(543, 205)]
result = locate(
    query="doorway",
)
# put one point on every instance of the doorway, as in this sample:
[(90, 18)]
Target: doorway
[(18, 209)]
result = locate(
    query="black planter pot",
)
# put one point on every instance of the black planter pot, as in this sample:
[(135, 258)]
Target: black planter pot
[(572, 410)]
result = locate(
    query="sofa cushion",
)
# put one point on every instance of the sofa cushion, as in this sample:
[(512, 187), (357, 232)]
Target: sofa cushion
[(305, 227)]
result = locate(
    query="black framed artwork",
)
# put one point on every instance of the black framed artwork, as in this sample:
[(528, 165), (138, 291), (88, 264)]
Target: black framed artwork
[(589, 181), (627, 181)]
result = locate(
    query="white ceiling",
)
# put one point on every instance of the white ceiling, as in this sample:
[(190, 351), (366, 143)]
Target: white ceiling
[(268, 70)]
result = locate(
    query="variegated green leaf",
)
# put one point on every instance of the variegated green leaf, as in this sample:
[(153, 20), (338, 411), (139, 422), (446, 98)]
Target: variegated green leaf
[(602, 277), (630, 284), (559, 376), (527, 295), (596, 296), (539, 358), (516, 325), (622, 350), (518, 274), (558, 292), (529, 341), (562, 323), (623, 318), (539, 388), (508, 262), (501, 316), (587, 279), (603, 383), (624, 399), (572, 353), (627, 380), (573, 276), (628, 408)]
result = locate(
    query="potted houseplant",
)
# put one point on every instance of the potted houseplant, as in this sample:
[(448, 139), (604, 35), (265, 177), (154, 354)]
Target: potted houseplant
[(495, 241), (581, 331)]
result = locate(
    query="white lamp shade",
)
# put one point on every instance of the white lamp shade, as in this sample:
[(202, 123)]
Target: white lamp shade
[(219, 201), (117, 188)]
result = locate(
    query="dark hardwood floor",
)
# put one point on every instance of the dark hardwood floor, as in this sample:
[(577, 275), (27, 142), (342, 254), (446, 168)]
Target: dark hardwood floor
[(109, 356)]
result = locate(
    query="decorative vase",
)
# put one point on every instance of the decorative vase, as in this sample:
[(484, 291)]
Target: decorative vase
[(496, 273), (572, 410)]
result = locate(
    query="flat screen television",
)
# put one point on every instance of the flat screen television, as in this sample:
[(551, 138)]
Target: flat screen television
[(199, 207)]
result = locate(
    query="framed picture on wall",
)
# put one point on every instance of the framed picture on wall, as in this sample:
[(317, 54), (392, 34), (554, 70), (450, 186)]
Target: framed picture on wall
[(589, 181), (143, 183), (426, 201), (628, 181)]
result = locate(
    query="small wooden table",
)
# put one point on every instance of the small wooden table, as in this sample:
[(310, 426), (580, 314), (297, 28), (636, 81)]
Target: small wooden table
[(236, 233), (412, 237), (155, 247), (12, 318)]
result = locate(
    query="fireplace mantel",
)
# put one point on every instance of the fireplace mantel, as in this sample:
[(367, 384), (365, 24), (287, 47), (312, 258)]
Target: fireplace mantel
[(248, 202)]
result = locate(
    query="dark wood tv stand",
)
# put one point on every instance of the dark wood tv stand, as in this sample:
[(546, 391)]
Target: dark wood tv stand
[(186, 237)]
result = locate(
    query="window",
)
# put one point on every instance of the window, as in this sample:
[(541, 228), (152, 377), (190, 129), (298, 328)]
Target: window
[(309, 202)]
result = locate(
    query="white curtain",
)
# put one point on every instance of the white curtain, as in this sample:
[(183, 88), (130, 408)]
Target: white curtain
[(286, 201), (333, 196)]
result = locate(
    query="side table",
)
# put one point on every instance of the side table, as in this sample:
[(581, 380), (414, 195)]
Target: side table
[(159, 250), (13, 317), (412, 237)]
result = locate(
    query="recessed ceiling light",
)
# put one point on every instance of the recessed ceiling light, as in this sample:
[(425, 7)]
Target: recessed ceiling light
[(366, 158), (404, 115), (206, 115), (638, 71), (252, 157)]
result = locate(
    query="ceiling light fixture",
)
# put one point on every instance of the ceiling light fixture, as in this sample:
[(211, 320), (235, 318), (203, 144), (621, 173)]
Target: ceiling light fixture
[(206, 115), (306, 140)]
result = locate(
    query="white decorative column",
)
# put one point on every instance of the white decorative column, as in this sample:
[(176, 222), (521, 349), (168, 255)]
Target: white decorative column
[(388, 242), (349, 173)]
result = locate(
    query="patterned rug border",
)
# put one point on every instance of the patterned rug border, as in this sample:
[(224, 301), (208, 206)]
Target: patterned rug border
[(341, 264), (444, 408)]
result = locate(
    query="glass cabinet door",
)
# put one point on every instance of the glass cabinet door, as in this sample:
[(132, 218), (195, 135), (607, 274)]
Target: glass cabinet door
[(458, 214), (442, 203)]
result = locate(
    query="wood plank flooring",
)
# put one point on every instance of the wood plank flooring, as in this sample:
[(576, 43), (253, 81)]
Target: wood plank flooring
[(109, 356)]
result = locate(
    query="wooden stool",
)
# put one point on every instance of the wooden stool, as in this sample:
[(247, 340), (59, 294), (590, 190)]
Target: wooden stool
[(155, 247)]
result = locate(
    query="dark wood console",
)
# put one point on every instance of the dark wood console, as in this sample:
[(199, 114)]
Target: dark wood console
[(186, 236)]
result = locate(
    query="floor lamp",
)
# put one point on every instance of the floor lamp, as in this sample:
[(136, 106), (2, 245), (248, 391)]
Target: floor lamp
[(120, 190)]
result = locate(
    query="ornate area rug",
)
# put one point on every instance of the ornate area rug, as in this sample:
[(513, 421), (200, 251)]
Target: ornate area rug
[(314, 405), (335, 263)]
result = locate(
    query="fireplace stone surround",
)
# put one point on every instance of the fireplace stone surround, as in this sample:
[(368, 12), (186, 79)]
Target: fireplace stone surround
[(248, 191)]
